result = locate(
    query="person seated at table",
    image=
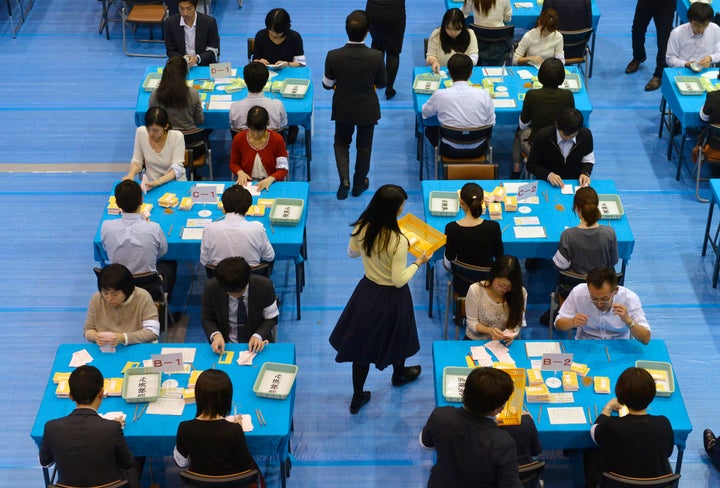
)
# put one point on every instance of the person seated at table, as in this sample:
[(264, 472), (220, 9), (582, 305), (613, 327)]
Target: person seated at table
[(87, 449), (563, 151), (136, 242), (256, 76), (695, 42), (238, 306), (120, 312), (637, 445), (181, 102), (235, 235), (539, 109), (472, 239), (576, 14), (258, 153), (461, 106), (158, 150), (192, 35), (471, 448), (541, 42), (488, 13), (601, 309), (453, 36), (277, 42), (495, 308), (213, 444)]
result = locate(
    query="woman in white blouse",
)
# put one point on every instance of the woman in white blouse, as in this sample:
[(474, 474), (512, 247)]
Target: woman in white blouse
[(542, 42), (451, 37), (488, 13), (158, 149), (495, 308)]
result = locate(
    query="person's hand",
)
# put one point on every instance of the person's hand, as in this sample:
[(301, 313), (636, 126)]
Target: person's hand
[(243, 178), (256, 344), (496, 334), (705, 62), (584, 180), (263, 61), (190, 60), (265, 184), (613, 404), (423, 258), (435, 66), (555, 180), (534, 60), (579, 320), (621, 311), (218, 344), (121, 420)]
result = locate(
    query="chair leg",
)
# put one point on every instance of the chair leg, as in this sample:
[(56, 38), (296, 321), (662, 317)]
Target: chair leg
[(447, 309), (698, 171), (553, 295)]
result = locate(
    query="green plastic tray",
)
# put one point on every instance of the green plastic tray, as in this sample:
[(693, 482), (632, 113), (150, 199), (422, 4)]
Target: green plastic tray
[(295, 88), (136, 390), (286, 211), (689, 85), (453, 382), (275, 380), (152, 80), (444, 203), (610, 206), (572, 82), (426, 83), (663, 366)]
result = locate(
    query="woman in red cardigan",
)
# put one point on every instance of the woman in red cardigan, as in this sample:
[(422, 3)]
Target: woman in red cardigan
[(258, 153)]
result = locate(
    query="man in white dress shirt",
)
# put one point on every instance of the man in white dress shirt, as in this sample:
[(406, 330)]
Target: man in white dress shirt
[(600, 309), (234, 235), (256, 76), (697, 41), (460, 106)]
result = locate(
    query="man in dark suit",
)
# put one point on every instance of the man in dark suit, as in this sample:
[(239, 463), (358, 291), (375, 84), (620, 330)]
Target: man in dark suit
[(87, 449), (192, 35), (354, 71), (238, 307)]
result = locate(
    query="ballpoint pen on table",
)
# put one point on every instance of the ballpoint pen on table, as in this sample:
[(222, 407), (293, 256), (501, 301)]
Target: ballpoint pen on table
[(170, 230), (607, 352), (262, 417), (505, 228), (540, 414)]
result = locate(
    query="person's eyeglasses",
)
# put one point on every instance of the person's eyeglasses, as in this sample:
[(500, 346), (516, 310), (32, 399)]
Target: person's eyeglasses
[(601, 300)]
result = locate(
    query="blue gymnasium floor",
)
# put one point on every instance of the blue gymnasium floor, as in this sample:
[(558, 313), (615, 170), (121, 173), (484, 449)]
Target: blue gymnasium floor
[(75, 120)]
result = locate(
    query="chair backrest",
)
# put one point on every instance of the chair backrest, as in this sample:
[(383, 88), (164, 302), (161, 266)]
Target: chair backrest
[(238, 480), (613, 480), (468, 273), (575, 44), (467, 136), (712, 136), (114, 484), (262, 269), (495, 44), (530, 473), (482, 171), (250, 48)]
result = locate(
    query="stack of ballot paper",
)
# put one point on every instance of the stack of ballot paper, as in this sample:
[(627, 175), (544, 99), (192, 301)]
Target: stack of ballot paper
[(503, 365), (570, 381), (535, 394), (63, 389), (602, 384), (495, 211), (189, 395), (145, 209), (193, 378), (499, 193), (113, 387), (112, 207), (510, 203), (660, 376), (186, 203), (534, 377), (168, 200), (579, 368), (58, 377)]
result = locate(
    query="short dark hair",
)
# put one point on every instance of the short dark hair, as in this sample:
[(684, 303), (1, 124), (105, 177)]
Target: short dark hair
[(257, 118), (232, 274), (157, 116), (256, 76), (599, 276), (569, 121), (460, 67), (236, 199), (116, 277), (357, 25), (486, 390), (551, 72), (278, 21), (128, 196), (194, 2), (85, 383), (635, 388), (213, 393), (700, 12)]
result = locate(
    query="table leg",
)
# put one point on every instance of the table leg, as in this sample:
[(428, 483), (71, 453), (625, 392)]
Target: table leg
[(299, 278), (707, 226), (430, 285), (678, 463), (308, 148), (663, 104), (681, 153)]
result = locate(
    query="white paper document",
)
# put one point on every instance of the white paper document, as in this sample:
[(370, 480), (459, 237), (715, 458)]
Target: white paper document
[(499, 71), (504, 102), (253, 189), (198, 222), (500, 351), (537, 349), (188, 353), (80, 358), (246, 421), (566, 415), (217, 105), (526, 221), (114, 416), (192, 233), (528, 232), (565, 397), (480, 354), (567, 190), (219, 187), (524, 74), (245, 358), (511, 187), (167, 406), (523, 5)]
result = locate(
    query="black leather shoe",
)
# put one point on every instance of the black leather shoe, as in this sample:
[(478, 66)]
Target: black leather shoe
[(359, 189), (653, 84), (356, 404), (633, 66), (342, 192), (410, 374), (390, 93), (708, 440)]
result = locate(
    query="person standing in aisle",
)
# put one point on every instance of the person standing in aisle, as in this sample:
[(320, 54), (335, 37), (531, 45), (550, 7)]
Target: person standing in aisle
[(662, 13), (387, 29)]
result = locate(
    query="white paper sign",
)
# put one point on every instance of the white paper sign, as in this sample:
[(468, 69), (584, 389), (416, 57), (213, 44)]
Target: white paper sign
[(168, 363), (566, 415), (220, 70), (556, 362), (526, 191), (203, 194)]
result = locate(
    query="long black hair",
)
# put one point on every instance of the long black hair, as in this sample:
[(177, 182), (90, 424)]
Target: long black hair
[(379, 219)]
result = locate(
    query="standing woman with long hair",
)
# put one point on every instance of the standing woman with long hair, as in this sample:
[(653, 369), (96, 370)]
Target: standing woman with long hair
[(453, 36), (488, 13), (182, 103), (495, 308), (378, 323)]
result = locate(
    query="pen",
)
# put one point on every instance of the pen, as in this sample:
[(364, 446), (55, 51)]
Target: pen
[(562, 347), (505, 228), (596, 414), (607, 352), (170, 230), (589, 414), (540, 414), (234, 409), (262, 417), (182, 230)]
